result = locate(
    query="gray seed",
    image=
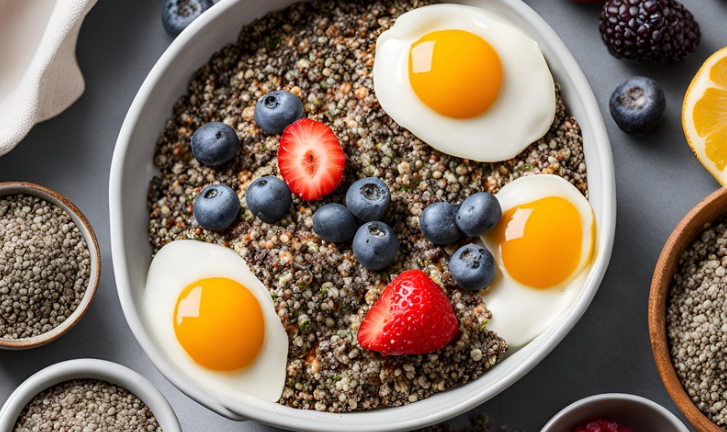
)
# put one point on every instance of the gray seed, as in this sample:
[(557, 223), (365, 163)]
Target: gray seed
[(86, 405), (695, 321), (44, 266)]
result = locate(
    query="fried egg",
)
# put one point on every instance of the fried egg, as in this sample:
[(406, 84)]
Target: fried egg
[(543, 246), (215, 321), (464, 82)]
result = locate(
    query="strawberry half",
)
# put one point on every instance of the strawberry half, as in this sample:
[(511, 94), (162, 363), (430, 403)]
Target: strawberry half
[(310, 159), (412, 316)]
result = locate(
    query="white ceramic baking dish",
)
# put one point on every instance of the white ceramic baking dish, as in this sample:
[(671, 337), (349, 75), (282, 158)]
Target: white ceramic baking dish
[(133, 167)]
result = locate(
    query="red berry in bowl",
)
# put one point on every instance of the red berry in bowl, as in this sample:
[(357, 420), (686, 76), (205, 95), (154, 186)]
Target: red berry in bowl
[(310, 159), (602, 425), (412, 316)]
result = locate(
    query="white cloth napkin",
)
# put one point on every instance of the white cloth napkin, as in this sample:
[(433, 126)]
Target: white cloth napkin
[(39, 74)]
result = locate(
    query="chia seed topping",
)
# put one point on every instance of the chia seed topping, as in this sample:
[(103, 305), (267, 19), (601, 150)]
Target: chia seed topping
[(323, 52), (44, 266), (695, 323), (85, 405)]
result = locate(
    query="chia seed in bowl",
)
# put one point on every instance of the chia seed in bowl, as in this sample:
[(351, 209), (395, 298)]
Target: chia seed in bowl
[(86, 403), (695, 321), (84, 395), (44, 266), (49, 265), (322, 52)]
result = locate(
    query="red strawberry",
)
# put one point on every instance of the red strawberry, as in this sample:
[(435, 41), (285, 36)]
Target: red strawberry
[(310, 159), (412, 316)]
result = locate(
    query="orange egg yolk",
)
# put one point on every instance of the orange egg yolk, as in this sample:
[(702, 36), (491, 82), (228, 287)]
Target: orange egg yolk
[(540, 242), (454, 72), (219, 323)]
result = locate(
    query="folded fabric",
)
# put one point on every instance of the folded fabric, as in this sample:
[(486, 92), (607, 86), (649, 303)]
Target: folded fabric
[(39, 77)]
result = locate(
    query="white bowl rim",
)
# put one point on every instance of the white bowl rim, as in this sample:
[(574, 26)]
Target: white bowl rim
[(278, 415), (668, 415), (94, 277), (89, 369)]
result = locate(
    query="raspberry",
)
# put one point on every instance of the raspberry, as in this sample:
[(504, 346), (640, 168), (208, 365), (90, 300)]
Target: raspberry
[(602, 425), (656, 31)]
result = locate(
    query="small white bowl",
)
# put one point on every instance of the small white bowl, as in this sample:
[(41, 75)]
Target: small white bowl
[(133, 168), (53, 197), (89, 369), (639, 413)]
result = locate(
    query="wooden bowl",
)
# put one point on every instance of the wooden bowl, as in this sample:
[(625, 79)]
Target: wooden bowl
[(31, 189), (707, 211)]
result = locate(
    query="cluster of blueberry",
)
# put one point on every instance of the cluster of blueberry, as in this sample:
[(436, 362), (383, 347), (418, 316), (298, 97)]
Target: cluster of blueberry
[(215, 144), (307, 149), (217, 206), (374, 243), (472, 266)]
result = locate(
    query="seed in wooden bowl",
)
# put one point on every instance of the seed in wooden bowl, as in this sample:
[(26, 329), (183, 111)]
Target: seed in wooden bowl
[(45, 266), (695, 319)]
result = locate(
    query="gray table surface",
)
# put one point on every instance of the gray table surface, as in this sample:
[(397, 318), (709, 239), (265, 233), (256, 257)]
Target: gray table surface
[(658, 181)]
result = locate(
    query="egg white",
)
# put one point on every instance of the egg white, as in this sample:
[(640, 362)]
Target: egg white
[(522, 112), (520, 313), (183, 262)]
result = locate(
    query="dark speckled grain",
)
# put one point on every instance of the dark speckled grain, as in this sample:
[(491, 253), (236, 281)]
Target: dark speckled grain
[(323, 52)]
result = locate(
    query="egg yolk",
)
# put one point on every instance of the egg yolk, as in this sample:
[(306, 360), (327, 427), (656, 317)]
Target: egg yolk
[(454, 72), (540, 242), (219, 323)]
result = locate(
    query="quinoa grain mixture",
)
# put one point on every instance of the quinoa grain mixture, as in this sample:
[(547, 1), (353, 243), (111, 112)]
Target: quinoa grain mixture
[(44, 266), (86, 405), (323, 51), (696, 326)]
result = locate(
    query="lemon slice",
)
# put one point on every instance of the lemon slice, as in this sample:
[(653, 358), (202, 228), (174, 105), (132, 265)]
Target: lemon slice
[(704, 115)]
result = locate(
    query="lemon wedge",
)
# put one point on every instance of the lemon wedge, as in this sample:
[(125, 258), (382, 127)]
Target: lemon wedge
[(704, 115)]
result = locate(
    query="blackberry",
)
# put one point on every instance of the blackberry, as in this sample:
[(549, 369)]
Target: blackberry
[(656, 31)]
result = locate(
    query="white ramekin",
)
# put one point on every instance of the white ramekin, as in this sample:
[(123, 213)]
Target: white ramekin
[(640, 413), (133, 168), (89, 369)]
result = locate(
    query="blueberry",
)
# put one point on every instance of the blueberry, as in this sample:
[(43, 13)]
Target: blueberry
[(268, 198), (216, 207), (334, 223), (368, 199), (478, 214), (637, 105), (178, 14), (438, 223), (472, 267), (375, 245), (276, 110), (214, 144)]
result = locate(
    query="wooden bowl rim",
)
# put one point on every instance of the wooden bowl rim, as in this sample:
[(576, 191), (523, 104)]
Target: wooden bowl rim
[(680, 239), (17, 187)]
